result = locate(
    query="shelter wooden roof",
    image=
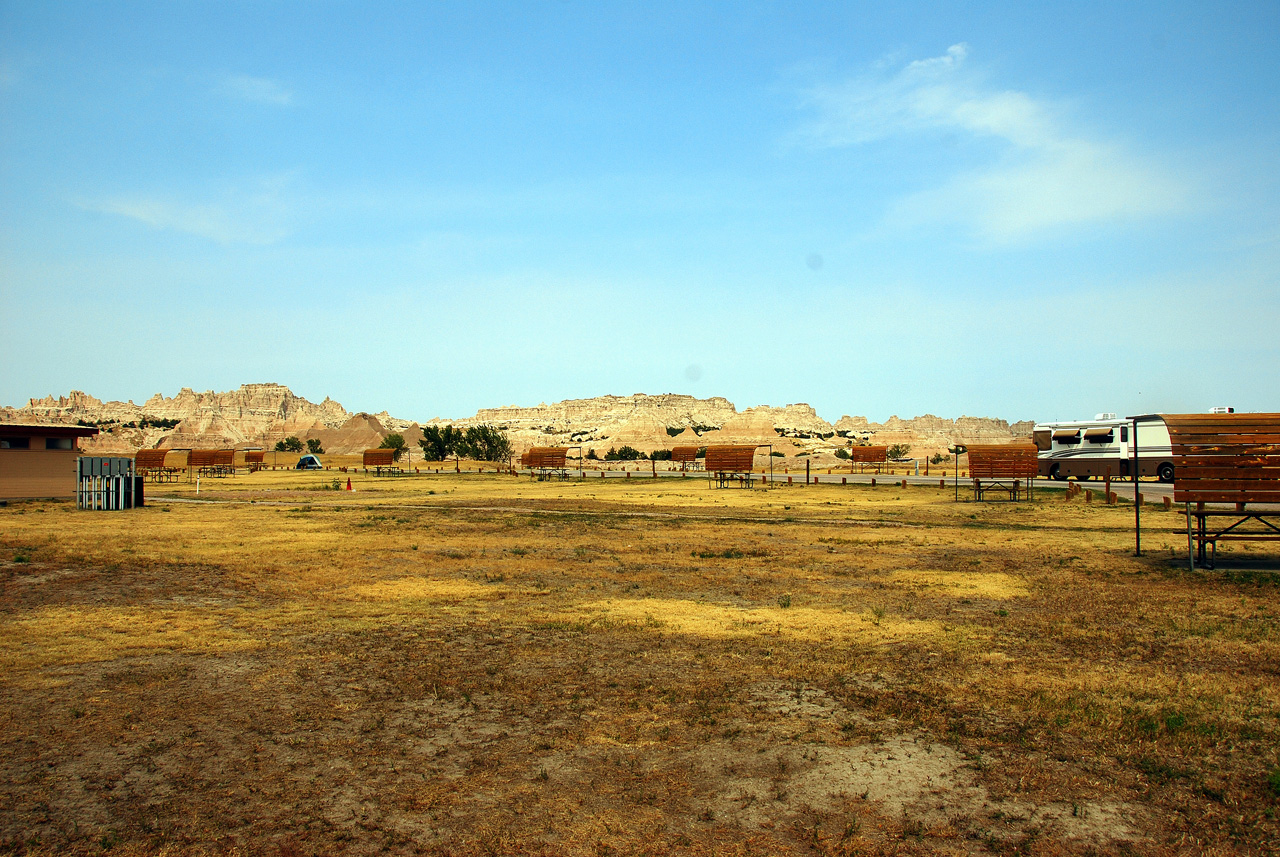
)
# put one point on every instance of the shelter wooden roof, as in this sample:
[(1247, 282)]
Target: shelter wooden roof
[(1225, 458)]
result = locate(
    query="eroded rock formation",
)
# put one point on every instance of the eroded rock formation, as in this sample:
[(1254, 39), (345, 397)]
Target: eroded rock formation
[(262, 414)]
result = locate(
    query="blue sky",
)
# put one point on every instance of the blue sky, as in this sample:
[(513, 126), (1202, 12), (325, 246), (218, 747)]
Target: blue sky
[(1031, 212)]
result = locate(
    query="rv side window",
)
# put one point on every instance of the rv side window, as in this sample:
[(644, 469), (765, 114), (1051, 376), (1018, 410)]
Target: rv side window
[(1124, 434)]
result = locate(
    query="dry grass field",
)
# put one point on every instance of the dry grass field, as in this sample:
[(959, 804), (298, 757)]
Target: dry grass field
[(482, 665)]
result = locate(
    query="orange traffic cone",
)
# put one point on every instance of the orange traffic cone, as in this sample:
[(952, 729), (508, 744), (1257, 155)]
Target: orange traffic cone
[(349, 488)]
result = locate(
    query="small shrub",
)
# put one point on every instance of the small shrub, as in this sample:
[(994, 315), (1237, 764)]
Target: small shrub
[(842, 454), (784, 601)]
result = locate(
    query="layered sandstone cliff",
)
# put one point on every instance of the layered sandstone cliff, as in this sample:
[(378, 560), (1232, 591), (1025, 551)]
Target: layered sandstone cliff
[(262, 414)]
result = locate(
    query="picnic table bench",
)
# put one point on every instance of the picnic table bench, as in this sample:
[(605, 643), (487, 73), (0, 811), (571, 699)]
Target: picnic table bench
[(1225, 459), (212, 462), (254, 459), (686, 457), (1003, 467), (861, 456), (149, 464), (383, 462), (548, 462), (731, 464)]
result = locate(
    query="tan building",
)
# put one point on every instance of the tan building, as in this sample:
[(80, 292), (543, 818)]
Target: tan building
[(39, 461)]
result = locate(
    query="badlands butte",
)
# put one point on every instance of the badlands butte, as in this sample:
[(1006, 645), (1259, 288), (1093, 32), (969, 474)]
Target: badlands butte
[(259, 415)]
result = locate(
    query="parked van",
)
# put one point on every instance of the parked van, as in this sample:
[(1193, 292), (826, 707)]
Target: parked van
[(1088, 449)]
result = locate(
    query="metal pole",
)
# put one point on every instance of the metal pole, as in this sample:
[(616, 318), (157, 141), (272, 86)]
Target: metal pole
[(1137, 496)]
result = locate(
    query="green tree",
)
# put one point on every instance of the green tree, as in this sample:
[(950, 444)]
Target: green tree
[(280, 447), (842, 453), (440, 442), (394, 441), (899, 451), (292, 444), (661, 455), (314, 447), (626, 453), (485, 443)]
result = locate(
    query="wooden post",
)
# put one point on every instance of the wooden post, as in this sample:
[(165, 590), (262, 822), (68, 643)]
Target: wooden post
[(873, 482), (1088, 496), (942, 483), (1168, 503)]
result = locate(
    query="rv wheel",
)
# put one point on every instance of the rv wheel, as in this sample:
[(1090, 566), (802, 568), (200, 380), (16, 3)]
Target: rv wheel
[(1055, 472), (1165, 472)]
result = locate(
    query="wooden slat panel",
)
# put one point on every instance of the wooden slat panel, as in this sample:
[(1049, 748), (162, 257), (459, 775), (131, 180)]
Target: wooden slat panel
[(1232, 458), (868, 454), (1198, 420), (684, 454), (737, 458), (211, 458), (1212, 471), (1198, 496), (545, 456), (1228, 485), (150, 457), (1003, 461), (379, 457)]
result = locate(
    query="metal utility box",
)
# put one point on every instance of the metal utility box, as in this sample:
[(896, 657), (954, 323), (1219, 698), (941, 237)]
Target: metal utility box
[(107, 483)]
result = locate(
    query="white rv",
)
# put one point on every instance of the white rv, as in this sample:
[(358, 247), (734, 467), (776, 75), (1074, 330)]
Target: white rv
[(1102, 446)]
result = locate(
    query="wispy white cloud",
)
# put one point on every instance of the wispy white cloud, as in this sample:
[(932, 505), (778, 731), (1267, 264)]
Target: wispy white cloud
[(1044, 177), (258, 90), (260, 215)]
